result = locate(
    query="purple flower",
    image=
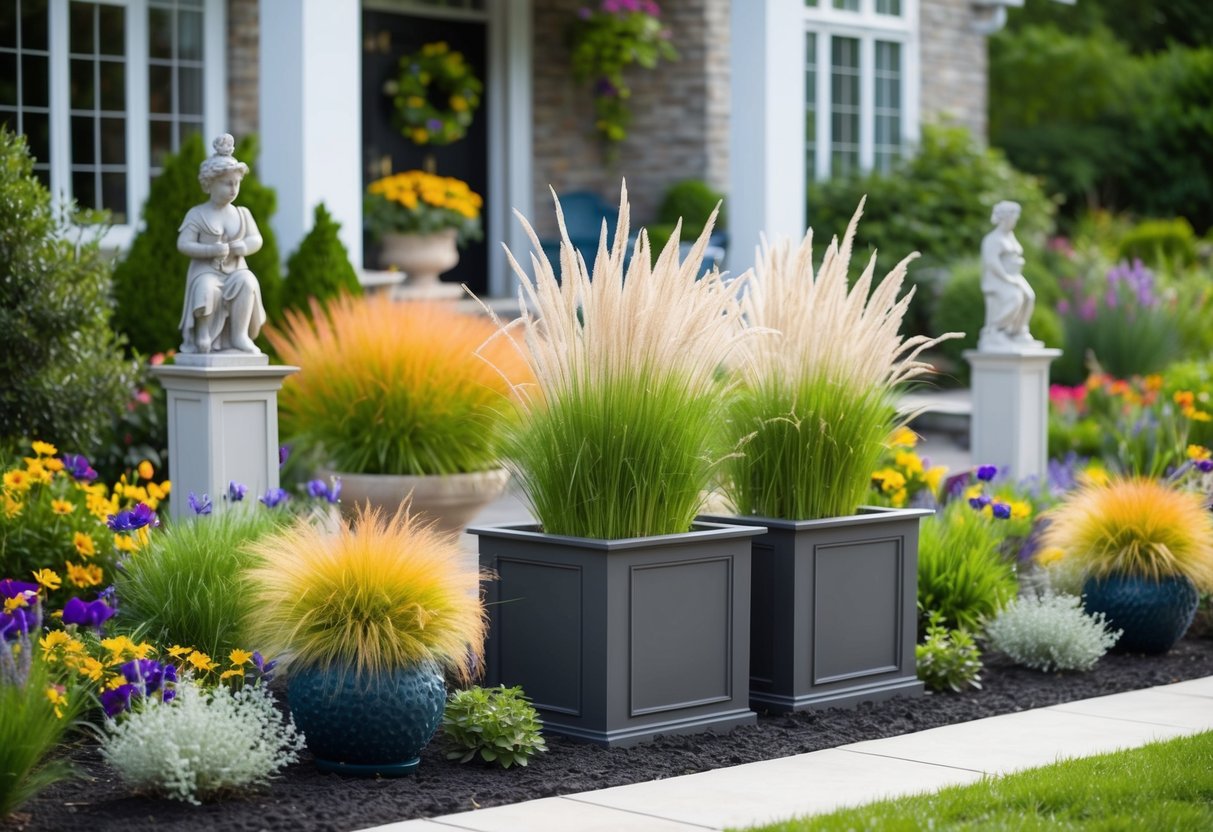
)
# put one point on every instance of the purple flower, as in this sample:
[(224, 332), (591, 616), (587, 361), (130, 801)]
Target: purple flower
[(202, 506), (979, 502), (1087, 310), (1002, 511), (318, 489), (605, 89), (284, 453), (262, 669), (78, 467), (117, 700), (128, 521), (1204, 465), (149, 674), (985, 473), (236, 491), (275, 496), (433, 124), (90, 614), (585, 13), (11, 588)]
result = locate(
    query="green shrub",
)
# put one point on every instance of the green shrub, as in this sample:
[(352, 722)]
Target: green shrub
[(962, 308), (149, 283), (63, 372), (1160, 242), (320, 268), (692, 201), (1197, 376), (497, 724), (962, 577), (948, 659), (1050, 632), (187, 587), (937, 203)]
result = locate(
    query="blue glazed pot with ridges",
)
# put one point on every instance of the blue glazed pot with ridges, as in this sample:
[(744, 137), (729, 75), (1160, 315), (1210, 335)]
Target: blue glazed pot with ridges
[(375, 725), (1153, 614)]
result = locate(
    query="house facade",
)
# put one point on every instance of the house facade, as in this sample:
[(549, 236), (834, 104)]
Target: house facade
[(765, 95)]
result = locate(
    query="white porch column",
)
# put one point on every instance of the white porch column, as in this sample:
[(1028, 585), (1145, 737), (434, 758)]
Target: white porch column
[(311, 115), (766, 132)]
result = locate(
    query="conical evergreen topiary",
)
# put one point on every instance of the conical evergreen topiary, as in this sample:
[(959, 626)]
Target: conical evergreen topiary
[(62, 370), (320, 268), (149, 283)]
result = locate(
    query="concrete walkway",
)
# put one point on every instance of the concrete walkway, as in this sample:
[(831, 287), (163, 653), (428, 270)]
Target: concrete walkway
[(858, 773)]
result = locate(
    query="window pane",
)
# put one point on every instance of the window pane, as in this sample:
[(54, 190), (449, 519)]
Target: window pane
[(34, 81), (189, 90), (810, 103), (84, 188), (113, 195), (84, 140), (8, 79), (33, 24), (189, 36), (113, 141), (161, 134), (888, 7), (37, 128), (82, 84), (160, 89), (159, 33), (113, 85), (8, 25), (887, 111), (811, 3), (847, 5), (81, 26), (112, 28), (844, 108)]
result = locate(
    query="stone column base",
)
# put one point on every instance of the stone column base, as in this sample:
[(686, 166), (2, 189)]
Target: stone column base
[(1010, 422)]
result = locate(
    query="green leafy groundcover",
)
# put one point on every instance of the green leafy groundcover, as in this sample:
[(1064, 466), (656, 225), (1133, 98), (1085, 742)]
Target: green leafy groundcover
[(1165, 785)]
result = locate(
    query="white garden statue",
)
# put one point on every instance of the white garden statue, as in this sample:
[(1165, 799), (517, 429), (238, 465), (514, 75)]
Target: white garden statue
[(1009, 298), (223, 311)]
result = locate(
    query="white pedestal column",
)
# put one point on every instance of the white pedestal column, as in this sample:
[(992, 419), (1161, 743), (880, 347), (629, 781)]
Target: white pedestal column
[(1010, 422), (222, 426)]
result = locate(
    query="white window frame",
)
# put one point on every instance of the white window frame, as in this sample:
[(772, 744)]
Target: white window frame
[(138, 151), (867, 27)]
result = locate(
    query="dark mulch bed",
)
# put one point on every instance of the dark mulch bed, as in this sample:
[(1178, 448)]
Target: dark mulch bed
[(303, 799)]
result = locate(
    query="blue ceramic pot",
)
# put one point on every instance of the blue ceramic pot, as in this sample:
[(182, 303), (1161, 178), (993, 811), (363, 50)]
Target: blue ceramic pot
[(1153, 614), (370, 726)]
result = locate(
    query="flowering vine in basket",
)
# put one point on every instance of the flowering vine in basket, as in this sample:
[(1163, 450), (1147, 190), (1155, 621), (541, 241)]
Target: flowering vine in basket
[(416, 202), (606, 40), (436, 94)]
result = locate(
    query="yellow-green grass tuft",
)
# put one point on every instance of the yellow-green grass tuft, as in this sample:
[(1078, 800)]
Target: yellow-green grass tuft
[(374, 595), (1135, 526), (390, 387)]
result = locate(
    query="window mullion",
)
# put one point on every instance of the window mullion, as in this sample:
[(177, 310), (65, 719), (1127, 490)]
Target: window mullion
[(58, 97), (867, 102), (825, 106), (137, 144)]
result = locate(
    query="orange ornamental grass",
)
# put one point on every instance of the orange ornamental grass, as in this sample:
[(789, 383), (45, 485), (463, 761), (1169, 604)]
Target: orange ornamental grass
[(391, 387), (1134, 526)]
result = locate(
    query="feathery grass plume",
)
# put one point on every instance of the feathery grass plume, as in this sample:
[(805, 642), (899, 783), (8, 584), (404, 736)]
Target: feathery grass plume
[(189, 585), (623, 428), (818, 403), (374, 596), (1135, 526), (390, 387)]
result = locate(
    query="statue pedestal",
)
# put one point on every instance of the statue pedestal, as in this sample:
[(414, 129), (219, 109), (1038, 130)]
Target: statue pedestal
[(1010, 422), (222, 426)]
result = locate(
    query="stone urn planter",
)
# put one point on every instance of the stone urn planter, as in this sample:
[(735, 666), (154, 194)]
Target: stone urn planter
[(373, 726), (1153, 614), (833, 609), (423, 257), (617, 641), (451, 499)]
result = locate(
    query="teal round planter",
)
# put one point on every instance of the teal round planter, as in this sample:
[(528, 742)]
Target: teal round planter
[(1153, 614), (373, 726)]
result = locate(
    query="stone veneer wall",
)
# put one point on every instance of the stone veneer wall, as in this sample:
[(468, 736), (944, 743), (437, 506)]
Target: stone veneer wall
[(954, 65), (243, 33), (680, 113)]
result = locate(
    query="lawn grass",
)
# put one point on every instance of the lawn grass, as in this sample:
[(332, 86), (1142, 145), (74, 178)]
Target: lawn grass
[(1163, 786)]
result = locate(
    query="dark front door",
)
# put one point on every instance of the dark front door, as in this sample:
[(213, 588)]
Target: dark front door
[(385, 38)]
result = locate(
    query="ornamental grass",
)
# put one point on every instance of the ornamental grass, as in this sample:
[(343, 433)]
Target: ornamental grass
[(815, 406), (622, 430), (390, 387), (1135, 527), (373, 596)]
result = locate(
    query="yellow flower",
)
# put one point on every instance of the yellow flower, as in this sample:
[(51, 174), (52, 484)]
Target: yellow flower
[(155, 492), (899, 498), (52, 640), (934, 477), (1093, 475), (903, 437), (125, 543), (889, 480), (16, 602), (84, 545), (135, 493), (115, 682), (84, 576), (177, 651), (17, 480), (1198, 452), (53, 464), (421, 135), (974, 490), (91, 668), (1020, 509), (58, 699), (1185, 398), (415, 101), (227, 674), (458, 103), (12, 506), (145, 470), (44, 448), (120, 649), (62, 507), (36, 471), (909, 461), (49, 579), (240, 657), (201, 661)]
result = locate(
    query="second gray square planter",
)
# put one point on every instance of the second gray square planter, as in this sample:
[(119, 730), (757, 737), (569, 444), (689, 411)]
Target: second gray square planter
[(833, 613), (616, 641)]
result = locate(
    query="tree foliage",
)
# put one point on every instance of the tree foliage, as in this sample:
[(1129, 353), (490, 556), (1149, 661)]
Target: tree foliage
[(320, 268), (64, 375)]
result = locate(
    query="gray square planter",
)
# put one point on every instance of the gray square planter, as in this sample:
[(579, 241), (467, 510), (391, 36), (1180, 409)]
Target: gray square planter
[(616, 641), (833, 609)]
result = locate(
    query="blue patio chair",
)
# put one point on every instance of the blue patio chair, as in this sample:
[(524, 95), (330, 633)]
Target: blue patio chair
[(584, 212)]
